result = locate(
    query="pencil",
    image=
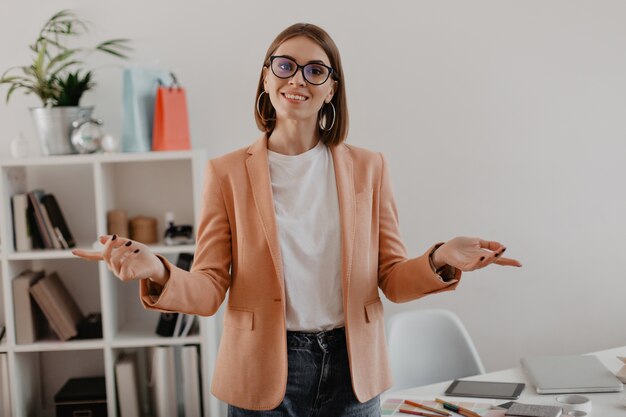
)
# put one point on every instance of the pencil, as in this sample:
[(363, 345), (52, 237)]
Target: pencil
[(425, 407), (418, 413), (457, 409)]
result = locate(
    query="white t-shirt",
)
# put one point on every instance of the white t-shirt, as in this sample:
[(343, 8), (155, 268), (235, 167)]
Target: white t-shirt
[(307, 216)]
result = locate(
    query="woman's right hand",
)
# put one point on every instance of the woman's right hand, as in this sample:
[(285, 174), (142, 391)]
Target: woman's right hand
[(128, 259)]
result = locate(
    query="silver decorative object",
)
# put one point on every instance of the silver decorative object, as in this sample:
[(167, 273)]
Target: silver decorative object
[(87, 135), (54, 127)]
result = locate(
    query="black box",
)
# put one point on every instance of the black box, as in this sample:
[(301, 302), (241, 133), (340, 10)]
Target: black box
[(90, 327), (82, 397)]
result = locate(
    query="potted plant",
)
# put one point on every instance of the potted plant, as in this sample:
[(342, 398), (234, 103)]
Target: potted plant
[(56, 77)]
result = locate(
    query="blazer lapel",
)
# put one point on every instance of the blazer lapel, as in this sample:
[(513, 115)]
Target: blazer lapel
[(344, 177), (259, 176)]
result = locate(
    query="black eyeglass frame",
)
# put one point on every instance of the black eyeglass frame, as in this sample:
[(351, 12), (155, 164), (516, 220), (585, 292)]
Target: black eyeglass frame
[(301, 68)]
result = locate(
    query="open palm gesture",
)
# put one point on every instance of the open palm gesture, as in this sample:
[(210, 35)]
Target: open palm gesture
[(470, 253)]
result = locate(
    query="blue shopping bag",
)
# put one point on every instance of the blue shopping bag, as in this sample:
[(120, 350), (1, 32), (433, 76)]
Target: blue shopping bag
[(140, 88)]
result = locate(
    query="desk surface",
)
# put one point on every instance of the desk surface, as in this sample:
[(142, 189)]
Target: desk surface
[(604, 405)]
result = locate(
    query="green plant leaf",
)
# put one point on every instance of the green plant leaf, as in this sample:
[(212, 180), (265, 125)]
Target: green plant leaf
[(64, 66), (60, 57), (49, 74), (38, 65)]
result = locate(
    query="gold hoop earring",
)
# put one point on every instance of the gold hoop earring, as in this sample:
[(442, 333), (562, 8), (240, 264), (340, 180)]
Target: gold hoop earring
[(258, 100), (333, 123)]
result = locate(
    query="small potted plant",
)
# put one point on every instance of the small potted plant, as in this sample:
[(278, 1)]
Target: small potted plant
[(56, 77)]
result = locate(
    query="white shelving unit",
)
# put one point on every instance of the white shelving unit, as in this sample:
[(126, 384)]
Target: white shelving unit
[(86, 187)]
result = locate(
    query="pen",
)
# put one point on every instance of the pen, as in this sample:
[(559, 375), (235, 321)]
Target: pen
[(425, 407), (457, 409), (417, 413)]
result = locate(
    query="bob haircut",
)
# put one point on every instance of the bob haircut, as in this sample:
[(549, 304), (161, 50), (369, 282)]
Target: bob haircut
[(266, 120)]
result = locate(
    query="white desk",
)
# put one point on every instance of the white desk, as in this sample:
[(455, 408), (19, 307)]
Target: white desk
[(604, 405)]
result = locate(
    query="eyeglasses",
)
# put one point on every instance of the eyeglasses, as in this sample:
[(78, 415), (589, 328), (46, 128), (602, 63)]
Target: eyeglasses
[(313, 73)]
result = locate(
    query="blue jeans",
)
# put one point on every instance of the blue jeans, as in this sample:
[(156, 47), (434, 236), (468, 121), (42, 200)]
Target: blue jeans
[(318, 381)]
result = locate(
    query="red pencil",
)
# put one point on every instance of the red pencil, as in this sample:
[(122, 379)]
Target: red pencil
[(418, 413)]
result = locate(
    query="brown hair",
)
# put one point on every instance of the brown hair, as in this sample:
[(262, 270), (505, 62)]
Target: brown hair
[(266, 121)]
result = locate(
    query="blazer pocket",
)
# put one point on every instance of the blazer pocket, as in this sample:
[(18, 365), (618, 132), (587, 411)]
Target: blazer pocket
[(364, 195), (239, 318), (374, 310)]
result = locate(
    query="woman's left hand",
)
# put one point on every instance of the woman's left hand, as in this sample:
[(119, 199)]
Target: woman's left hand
[(470, 253)]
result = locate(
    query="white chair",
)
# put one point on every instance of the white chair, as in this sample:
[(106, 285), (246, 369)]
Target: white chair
[(430, 346)]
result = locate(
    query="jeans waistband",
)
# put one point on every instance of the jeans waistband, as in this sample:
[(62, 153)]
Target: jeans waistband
[(328, 338)]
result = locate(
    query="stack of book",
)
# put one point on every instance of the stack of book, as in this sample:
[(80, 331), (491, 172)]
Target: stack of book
[(40, 298), (38, 222)]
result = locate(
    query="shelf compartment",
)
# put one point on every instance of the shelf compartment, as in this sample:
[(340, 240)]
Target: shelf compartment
[(81, 279), (138, 189), (42, 374), (77, 202)]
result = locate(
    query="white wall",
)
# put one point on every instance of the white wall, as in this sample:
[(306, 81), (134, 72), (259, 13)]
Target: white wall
[(500, 119)]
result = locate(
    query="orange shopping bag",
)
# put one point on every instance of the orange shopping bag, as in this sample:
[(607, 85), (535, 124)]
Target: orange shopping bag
[(171, 121)]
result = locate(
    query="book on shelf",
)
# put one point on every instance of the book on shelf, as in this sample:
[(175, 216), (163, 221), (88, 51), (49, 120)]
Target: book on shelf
[(43, 220), (29, 319), (188, 324), (162, 381), (58, 306), (50, 225), (5, 389), (127, 383), (35, 236), (191, 395), (21, 230), (59, 225)]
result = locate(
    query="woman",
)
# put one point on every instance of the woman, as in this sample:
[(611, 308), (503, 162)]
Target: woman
[(302, 230)]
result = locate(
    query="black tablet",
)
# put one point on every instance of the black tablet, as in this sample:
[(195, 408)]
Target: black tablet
[(482, 389)]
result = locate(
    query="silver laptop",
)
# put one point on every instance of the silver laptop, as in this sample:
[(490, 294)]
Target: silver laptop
[(569, 374)]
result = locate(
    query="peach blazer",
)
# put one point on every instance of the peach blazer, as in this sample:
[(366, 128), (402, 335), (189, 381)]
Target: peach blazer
[(238, 250)]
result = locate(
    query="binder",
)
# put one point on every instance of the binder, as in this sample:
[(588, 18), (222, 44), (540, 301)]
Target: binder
[(5, 389), (127, 384), (162, 381), (192, 399)]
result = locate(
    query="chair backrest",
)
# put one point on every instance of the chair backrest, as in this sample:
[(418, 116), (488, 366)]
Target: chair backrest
[(430, 346)]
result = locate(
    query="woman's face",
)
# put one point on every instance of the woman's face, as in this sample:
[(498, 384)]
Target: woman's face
[(294, 98)]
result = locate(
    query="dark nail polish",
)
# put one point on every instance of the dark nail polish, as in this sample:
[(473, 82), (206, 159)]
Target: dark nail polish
[(114, 237), (128, 243), (498, 254), (136, 250), (482, 258)]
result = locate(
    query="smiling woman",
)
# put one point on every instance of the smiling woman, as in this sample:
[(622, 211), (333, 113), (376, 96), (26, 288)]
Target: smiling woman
[(301, 230), (321, 72)]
